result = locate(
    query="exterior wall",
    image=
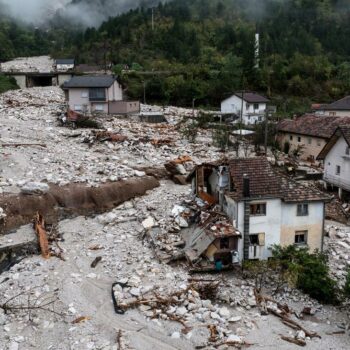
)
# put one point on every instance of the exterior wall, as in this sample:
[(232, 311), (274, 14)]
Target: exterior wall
[(75, 99), (124, 107), (335, 113), (311, 146), (250, 116), (21, 81), (62, 78), (337, 156), (313, 223), (99, 107), (64, 67), (115, 92)]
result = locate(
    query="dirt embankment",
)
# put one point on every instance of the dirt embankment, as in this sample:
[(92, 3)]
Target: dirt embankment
[(71, 200)]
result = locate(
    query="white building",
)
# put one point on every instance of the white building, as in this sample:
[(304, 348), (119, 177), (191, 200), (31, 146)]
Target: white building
[(254, 107), (64, 65), (340, 108), (336, 157), (264, 206)]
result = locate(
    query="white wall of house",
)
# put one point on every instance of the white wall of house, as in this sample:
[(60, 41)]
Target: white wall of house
[(252, 112), (279, 225), (79, 99), (333, 113), (64, 67), (115, 92), (337, 157)]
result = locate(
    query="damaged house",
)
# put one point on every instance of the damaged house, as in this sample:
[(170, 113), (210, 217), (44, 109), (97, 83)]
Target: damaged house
[(264, 207), (336, 158)]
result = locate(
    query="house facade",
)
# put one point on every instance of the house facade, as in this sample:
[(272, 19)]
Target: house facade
[(254, 107), (340, 108), (92, 94), (64, 65), (264, 206), (336, 158), (307, 135)]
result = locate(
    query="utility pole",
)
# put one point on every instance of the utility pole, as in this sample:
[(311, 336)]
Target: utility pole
[(144, 92), (152, 18)]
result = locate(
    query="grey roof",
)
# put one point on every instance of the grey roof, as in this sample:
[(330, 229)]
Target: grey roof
[(65, 61), (252, 97), (101, 81), (340, 105)]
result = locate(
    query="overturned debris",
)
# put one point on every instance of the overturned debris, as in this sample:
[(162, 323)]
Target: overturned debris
[(39, 225)]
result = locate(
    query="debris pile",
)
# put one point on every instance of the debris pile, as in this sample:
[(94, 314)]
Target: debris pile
[(42, 64)]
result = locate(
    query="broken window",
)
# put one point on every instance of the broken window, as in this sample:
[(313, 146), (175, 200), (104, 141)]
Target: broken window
[(258, 209), (257, 239), (225, 243), (303, 210), (300, 237), (337, 170), (97, 94)]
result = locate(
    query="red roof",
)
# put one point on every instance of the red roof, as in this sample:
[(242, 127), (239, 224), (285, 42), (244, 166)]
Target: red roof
[(313, 125)]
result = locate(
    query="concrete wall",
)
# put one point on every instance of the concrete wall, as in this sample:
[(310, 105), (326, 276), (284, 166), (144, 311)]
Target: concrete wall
[(124, 107), (62, 78), (313, 223), (64, 67), (21, 80), (115, 92), (279, 225), (337, 156), (250, 115), (312, 146)]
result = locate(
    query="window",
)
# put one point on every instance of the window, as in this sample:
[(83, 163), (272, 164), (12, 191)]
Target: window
[(300, 237), (291, 138), (97, 94), (258, 209), (299, 139), (78, 107), (260, 119), (225, 243), (347, 150), (309, 140), (99, 107), (332, 114), (256, 106), (247, 105), (337, 170), (84, 94), (303, 210), (257, 239)]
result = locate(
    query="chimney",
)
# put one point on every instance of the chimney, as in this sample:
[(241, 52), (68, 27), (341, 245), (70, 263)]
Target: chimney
[(246, 186)]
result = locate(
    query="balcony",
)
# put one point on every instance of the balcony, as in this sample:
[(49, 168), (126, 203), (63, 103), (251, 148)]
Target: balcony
[(337, 181)]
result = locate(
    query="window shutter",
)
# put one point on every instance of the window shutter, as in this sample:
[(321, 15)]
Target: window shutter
[(261, 239)]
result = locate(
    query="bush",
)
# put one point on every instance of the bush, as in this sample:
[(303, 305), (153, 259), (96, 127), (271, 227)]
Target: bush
[(346, 289), (7, 83), (87, 123), (308, 272)]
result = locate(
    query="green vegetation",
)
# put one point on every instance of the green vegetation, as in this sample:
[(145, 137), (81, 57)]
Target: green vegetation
[(7, 84), (308, 272), (347, 285), (204, 49)]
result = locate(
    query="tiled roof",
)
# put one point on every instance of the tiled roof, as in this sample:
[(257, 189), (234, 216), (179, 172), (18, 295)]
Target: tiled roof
[(265, 182), (340, 105), (312, 125), (252, 97), (101, 81)]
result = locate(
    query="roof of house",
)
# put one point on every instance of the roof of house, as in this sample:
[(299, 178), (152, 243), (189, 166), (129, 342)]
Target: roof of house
[(341, 131), (312, 125), (65, 61), (265, 182), (101, 81), (250, 97), (340, 105)]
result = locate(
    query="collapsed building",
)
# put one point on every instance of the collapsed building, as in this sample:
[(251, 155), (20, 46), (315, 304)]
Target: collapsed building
[(264, 208)]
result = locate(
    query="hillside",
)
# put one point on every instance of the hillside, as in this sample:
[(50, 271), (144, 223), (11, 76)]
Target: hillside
[(205, 49)]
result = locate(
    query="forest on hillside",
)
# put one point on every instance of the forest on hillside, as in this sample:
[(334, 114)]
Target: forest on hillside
[(204, 49)]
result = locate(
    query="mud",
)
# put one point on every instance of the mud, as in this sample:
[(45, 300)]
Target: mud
[(71, 200)]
